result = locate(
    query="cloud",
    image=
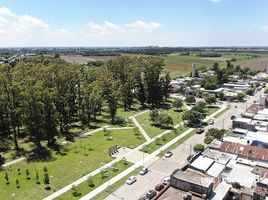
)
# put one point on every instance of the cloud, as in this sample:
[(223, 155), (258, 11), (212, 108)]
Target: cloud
[(140, 25), (27, 21), (26, 30), (6, 12), (265, 28), (107, 28)]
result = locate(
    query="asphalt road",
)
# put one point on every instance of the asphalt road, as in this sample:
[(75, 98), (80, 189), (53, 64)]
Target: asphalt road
[(163, 167)]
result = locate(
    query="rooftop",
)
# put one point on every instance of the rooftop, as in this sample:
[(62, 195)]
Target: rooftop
[(202, 163), (173, 193), (245, 150), (242, 174), (218, 156), (216, 169), (243, 120), (193, 177), (220, 191)]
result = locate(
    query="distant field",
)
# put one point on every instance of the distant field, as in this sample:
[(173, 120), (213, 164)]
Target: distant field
[(84, 59), (179, 65), (258, 64)]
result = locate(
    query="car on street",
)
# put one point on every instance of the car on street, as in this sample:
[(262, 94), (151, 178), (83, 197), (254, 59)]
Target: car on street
[(168, 154), (235, 106), (150, 194), (200, 130), (131, 180), (144, 171), (166, 180), (159, 187), (233, 117), (211, 122)]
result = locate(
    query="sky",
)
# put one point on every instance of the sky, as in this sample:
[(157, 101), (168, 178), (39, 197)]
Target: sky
[(120, 23)]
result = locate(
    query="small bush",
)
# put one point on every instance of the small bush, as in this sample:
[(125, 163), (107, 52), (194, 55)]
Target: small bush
[(208, 139), (199, 147)]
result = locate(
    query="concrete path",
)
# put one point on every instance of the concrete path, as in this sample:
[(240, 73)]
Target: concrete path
[(143, 132), (13, 162), (120, 128)]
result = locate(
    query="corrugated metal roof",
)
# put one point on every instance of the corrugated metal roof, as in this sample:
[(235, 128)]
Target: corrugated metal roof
[(245, 150)]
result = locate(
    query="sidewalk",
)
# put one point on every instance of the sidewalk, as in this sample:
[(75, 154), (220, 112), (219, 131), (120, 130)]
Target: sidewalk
[(140, 128)]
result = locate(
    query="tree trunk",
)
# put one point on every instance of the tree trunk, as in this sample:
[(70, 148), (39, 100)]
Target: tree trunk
[(15, 139), (38, 144)]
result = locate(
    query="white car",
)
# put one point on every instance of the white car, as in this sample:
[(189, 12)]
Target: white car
[(211, 122), (131, 180), (166, 180), (168, 154)]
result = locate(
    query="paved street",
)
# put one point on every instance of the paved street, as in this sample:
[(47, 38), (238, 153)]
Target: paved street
[(164, 166)]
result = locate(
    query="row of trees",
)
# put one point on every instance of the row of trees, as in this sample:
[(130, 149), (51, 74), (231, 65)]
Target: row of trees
[(47, 95)]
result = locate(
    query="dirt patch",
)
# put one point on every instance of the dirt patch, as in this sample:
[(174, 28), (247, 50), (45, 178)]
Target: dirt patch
[(179, 67), (77, 59), (259, 64)]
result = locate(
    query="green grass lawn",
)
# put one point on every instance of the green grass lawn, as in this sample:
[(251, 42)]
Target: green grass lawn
[(152, 130), (97, 180), (150, 148), (70, 163), (222, 112), (212, 109), (115, 186)]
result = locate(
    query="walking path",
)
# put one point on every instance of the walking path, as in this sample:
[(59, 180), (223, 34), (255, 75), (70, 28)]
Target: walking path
[(148, 160), (140, 128)]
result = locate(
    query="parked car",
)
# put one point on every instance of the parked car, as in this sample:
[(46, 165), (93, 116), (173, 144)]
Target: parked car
[(142, 198), (144, 171), (235, 106), (159, 187), (166, 180), (168, 154), (211, 122), (131, 180), (199, 130), (233, 117), (150, 194)]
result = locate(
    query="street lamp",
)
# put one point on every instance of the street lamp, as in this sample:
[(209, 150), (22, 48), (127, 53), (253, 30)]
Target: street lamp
[(143, 154)]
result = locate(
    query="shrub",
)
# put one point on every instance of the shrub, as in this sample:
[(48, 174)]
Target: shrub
[(46, 179), (90, 182), (17, 183), (199, 147), (27, 172), (208, 139), (7, 178)]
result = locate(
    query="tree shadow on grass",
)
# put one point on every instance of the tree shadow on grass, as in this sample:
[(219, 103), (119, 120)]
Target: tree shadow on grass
[(44, 156)]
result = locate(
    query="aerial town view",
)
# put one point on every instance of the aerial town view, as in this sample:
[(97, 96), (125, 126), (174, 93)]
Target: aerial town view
[(134, 100)]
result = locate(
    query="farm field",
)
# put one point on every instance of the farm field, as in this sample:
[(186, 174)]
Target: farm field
[(179, 65), (257, 64), (78, 59)]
